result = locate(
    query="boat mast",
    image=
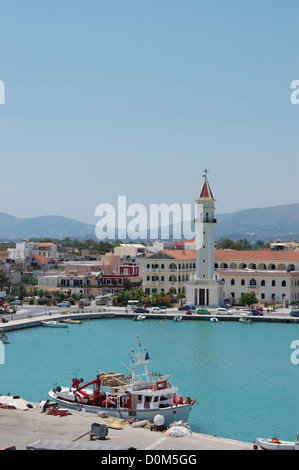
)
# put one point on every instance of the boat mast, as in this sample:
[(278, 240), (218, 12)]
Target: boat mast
[(142, 359)]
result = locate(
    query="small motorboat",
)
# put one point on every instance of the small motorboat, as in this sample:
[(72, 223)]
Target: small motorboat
[(140, 317), (245, 320), (273, 444), (214, 320), (71, 320), (3, 338), (177, 318), (54, 324)]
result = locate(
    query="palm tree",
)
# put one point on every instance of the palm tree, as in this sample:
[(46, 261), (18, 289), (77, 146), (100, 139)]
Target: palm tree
[(20, 290), (4, 279)]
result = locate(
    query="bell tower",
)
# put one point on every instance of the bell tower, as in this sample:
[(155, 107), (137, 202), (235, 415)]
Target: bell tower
[(204, 289), (205, 232)]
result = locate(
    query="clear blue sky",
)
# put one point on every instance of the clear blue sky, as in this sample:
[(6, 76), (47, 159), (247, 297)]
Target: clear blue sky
[(136, 97)]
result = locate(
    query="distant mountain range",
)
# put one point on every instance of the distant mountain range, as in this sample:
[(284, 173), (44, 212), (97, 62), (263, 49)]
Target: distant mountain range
[(279, 222), (48, 226)]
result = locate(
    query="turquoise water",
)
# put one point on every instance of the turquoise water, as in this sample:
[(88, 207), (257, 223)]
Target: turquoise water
[(242, 375)]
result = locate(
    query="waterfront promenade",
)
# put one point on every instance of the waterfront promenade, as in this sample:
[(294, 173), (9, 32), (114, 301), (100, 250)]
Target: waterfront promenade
[(27, 318)]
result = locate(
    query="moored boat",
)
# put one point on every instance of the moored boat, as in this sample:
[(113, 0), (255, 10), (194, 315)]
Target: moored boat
[(139, 396), (178, 318), (3, 338), (245, 320), (273, 444), (54, 324), (140, 317), (71, 320)]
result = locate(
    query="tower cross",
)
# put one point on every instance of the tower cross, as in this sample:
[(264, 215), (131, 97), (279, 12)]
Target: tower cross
[(205, 173)]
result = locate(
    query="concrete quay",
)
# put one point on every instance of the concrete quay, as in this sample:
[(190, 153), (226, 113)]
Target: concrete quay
[(36, 321), (21, 428)]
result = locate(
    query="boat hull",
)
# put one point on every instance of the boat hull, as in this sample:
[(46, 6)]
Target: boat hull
[(170, 413), (54, 324), (268, 444)]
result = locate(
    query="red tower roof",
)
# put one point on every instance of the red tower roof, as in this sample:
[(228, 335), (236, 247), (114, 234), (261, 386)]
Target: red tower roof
[(206, 191)]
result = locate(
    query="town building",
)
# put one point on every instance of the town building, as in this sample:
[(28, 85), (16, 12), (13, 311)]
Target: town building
[(212, 277), (130, 250), (168, 271), (24, 249)]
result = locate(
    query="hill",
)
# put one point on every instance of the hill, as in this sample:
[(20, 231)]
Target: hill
[(53, 226), (278, 222)]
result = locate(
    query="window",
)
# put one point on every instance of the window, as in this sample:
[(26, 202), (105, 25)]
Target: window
[(283, 283), (232, 282), (273, 284), (263, 283), (242, 282)]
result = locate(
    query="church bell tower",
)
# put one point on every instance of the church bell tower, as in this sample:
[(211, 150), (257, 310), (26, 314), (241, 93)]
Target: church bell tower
[(205, 232), (204, 289)]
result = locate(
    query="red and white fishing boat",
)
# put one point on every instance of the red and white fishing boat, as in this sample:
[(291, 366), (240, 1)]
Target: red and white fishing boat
[(139, 396)]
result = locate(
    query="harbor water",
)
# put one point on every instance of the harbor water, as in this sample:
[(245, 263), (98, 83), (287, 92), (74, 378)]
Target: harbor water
[(242, 375)]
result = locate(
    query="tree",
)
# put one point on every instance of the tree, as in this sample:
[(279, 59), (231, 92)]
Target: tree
[(4, 279), (181, 296), (248, 299)]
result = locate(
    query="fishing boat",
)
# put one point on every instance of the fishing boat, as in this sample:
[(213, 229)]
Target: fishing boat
[(141, 396), (54, 324), (3, 338), (275, 444)]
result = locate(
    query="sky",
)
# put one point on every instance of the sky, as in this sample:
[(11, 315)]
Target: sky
[(135, 98)]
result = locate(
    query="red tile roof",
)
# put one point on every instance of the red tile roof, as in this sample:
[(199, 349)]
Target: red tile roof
[(261, 255), (42, 259), (239, 255), (183, 255)]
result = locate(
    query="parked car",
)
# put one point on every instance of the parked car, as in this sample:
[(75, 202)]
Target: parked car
[(203, 311), (141, 310), (86, 302), (16, 302), (223, 311), (64, 303), (256, 312), (187, 307), (295, 313), (157, 310)]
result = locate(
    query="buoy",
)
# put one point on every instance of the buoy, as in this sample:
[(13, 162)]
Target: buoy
[(159, 420)]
